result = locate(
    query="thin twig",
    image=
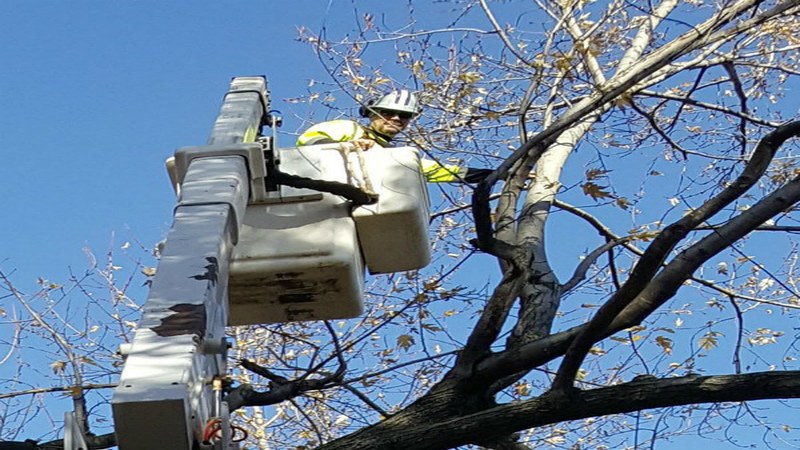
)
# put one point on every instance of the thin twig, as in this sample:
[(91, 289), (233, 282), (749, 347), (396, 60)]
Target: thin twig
[(85, 387), (580, 271), (502, 34), (737, 361), (367, 400)]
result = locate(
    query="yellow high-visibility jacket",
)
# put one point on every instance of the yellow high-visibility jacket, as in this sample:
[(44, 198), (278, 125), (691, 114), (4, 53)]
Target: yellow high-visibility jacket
[(349, 130)]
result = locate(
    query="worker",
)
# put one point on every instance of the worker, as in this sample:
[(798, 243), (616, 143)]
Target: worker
[(388, 116)]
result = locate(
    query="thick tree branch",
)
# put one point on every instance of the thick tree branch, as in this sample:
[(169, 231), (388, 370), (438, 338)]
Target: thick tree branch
[(678, 270), (609, 235), (654, 256), (555, 407), (536, 353), (711, 35), (644, 34), (540, 296), (280, 388), (481, 212), (490, 322)]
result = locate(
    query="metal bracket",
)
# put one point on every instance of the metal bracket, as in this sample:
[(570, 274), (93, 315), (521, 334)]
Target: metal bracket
[(252, 152)]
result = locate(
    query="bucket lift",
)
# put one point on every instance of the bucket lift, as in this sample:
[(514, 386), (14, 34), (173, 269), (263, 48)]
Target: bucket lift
[(255, 241)]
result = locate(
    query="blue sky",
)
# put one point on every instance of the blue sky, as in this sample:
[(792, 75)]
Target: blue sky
[(95, 95)]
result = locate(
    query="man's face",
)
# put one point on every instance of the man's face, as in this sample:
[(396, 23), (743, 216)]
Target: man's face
[(389, 123)]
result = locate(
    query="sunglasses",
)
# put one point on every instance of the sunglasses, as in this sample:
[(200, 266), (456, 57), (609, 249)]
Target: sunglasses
[(389, 114)]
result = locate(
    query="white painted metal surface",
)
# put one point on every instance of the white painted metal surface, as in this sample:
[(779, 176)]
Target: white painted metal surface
[(303, 260), (393, 233), (164, 397), (297, 259)]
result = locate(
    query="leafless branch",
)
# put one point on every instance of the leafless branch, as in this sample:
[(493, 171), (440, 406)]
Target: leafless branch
[(691, 91), (85, 387), (366, 400), (501, 33), (397, 36), (580, 271), (737, 87), (554, 407), (737, 361), (653, 257), (657, 128), (710, 106), (78, 396)]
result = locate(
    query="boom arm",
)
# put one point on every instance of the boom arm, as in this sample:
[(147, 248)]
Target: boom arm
[(165, 397)]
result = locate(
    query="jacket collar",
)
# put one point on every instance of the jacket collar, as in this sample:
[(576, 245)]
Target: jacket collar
[(378, 137)]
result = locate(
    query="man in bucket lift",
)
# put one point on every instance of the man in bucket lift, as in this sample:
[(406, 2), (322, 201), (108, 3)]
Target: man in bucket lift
[(388, 116)]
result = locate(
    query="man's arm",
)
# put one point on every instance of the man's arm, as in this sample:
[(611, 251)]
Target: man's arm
[(349, 131), (452, 173)]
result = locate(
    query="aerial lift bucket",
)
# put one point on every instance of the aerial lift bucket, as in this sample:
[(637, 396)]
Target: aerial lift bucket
[(305, 260)]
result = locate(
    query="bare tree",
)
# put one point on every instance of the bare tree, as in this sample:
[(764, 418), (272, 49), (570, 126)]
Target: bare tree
[(63, 348), (625, 276), (674, 91)]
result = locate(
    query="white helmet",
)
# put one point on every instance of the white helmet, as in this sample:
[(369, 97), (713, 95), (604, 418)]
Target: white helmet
[(400, 101)]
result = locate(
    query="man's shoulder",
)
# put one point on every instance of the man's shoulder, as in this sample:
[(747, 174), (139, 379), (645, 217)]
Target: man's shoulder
[(338, 123), (339, 130)]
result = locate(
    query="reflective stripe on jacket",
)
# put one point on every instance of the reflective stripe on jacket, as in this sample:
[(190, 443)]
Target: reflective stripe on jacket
[(349, 130)]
